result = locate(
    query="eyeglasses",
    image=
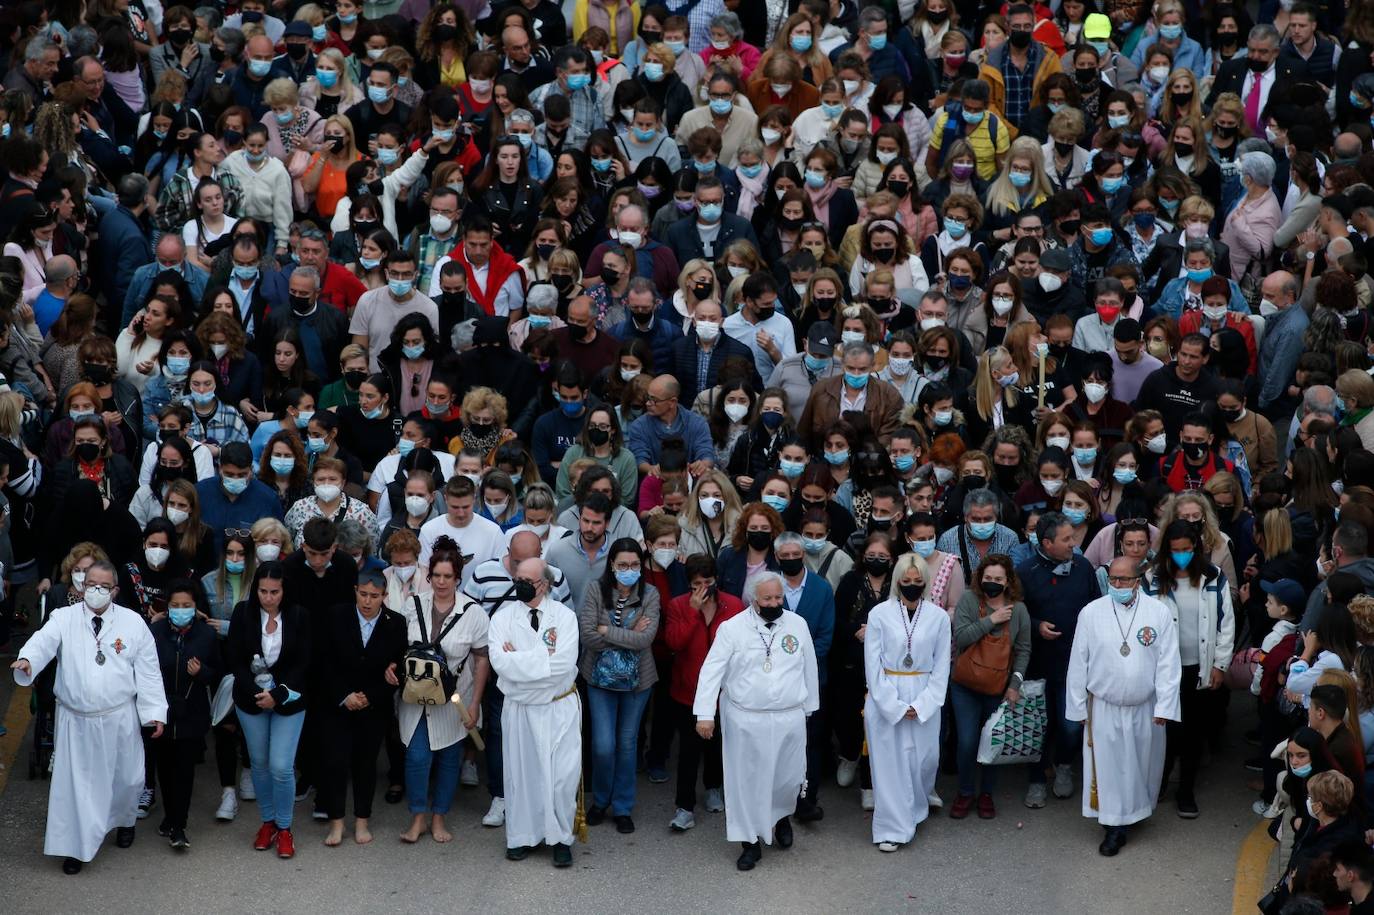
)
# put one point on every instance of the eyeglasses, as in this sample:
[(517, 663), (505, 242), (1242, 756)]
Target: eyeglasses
[(1121, 580), (237, 532), (99, 589)]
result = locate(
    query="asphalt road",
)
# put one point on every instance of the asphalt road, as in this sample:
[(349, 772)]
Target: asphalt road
[(1023, 861)]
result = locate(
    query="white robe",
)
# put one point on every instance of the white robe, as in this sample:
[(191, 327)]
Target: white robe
[(97, 771), (762, 717), (904, 753), (541, 733), (1124, 695)]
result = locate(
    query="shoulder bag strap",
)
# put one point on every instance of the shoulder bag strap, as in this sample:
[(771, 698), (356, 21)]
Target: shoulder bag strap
[(420, 618)]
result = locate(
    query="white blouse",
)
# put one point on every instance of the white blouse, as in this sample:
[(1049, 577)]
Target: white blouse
[(445, 724), (271, 641)]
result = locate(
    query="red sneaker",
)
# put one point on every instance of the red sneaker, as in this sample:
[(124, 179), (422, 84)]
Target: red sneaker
[(286, 846), (962, 804), (267, 834), (986, 810)]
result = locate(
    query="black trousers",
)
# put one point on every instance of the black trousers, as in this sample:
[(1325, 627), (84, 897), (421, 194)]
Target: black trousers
[(694, 753), (845, 714), (230, 750), (661, 722), (1187, 738), (817, 745), (175, 760), (350, 742)]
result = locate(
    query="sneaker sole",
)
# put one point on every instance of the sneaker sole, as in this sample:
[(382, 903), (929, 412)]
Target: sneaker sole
[(1188, 815)]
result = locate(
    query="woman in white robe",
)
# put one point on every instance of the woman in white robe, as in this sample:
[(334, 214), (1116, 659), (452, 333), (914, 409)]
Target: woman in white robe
[(906, 662)]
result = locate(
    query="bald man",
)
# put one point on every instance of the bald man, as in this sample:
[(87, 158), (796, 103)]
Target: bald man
[(1285, 324), (62, 279), (665, 417), (533, 648), (582, 343)]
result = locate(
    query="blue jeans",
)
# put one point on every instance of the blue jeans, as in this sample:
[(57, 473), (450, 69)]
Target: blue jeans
[(419, 758), (615, 742), (272, 740), (493, 701), (1062, 735), (971, 711)]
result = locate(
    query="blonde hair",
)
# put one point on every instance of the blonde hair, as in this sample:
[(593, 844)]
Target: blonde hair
[(1194, 106), (336, 58), (350, 149), (695, 265), (269, 527), (986, 389), (693, 519), (1333, 790), (1278, 532), (1211, 534), (1067, 122), (1349, 686), (79, 552), (1002, 196), (1229, 103), (483, 398), (281, 91), (1357, 384)]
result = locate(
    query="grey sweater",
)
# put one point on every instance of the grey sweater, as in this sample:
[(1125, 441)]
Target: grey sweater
[(592, 613), (969, 627)]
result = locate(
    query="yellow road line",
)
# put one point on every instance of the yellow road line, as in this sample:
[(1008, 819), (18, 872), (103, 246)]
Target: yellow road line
[(1252, 869)]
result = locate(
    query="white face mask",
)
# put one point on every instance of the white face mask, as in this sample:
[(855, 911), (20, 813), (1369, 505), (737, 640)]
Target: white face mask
[(327, 492), (735, 271), (1096, 392), (496, 508), (219, 349), (629, 374), (1057, 441), (177, 516), (736, 411), (851, 86), (1050, 282), (628, 114), (931, 323), (97, 600), (631, 239), (770, 136), (892, 111), (404, 573), (1214, 312), (1001, 305), (884, 157), (899, 366), (267, 552), (707, 330), (943, 475), (710, 505), (157, 556), (540, 530), (1158, 74), (79, 581), (417, 505), (1156, 444), (1051, 487), (665, 557), (1268, 308), (852, 336)]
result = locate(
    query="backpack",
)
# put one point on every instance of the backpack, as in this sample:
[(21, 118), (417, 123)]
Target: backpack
[(955, 128), (428, 680)]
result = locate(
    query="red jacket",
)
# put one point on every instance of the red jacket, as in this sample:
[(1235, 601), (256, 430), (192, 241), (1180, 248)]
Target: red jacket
[(1192, 321), (500, 267), (341, 288), (688, 636), (1173, 471)]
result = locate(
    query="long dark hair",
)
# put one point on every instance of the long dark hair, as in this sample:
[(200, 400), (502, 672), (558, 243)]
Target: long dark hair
[(274, 570), (1166, 570), (608, 582)]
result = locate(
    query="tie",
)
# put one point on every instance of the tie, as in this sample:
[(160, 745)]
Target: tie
[(96, 623), (1252, 103), (770, 625), (534, 620)]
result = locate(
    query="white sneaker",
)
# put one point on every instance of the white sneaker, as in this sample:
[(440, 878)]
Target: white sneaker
[(1035, 795), (715, 800), (1268, 811), (246, 790), (888, 846), (469, 776), (228, 806), (934, 801), (1063, 780), (866, 798), (146, 801), (683, 820), (496, 815), (845, 772)]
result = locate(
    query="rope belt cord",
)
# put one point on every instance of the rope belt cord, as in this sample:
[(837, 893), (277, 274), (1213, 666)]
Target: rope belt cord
[(905, 673)]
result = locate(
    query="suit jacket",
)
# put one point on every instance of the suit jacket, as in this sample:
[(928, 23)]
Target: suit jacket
[(883, 407), (684, 364), (686, 243), (122, 248), (1231, 76), (292, 667), (1165, 261), (352, 667)]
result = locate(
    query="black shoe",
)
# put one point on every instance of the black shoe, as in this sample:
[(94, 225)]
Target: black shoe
[(1252, 736), (395, 794), (518, 853), (164, 829), (562, 855), (124, 836), (1255, 764), (1187, 806), (1116, 838), (782, 833), (596, 815), (624, 825), (71, 866), (751, 855), (178, 839), (809, 811)]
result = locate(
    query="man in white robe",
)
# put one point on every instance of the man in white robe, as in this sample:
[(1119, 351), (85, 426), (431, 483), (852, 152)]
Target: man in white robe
[(765, 664), (108, 684), (1123, 680), (532, 645)]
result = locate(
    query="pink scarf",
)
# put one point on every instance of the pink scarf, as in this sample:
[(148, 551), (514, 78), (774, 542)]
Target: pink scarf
[(820, 202), (751, 190)]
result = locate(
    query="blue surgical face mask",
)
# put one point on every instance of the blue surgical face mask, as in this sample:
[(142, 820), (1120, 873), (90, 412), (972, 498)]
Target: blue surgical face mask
[(316, 445), (369, 263), (751, 171), (837, 457), (524, 139), (387, 156), (318, 33), (1101, 236), (443, 136), (800, 43), (904, 462), (246, 274), (1182, 558), (400, 288), (704, 168), (1085, 456), (791, 469), (78, 415), (203, 398), (677, 47), (235, 486), (814, 179), (777, 503), (1171, 32), (413, 352), (284, 117), (1019, 179), (1302, 771), (1101, 47), (955, 228), (973, 118), (627, 577), (571, 408), (1121, 595), (160, 134), (653, 71), (877, 42), (832, 111), (303, 418), (282, 466), (923, 548), (710, 212), (601, 165), (1200, 276), (982, 530), (1124, 475), (178, 365), (721, 106), (578, 81), (1118, 121), (259, 68), (404, 446), (540, 321), (1076, 516), (813, 545), (816, 364), (181, 617), (233, 566), (644, 136), (374, 413), (856, 381)]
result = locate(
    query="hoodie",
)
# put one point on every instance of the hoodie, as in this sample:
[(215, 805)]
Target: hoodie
[(1361, 568)]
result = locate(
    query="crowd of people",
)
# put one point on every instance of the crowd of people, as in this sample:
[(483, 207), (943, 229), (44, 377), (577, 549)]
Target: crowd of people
[(391, 380)]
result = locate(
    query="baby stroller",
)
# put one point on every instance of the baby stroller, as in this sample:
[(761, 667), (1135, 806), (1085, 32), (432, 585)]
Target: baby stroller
[(44, 709)]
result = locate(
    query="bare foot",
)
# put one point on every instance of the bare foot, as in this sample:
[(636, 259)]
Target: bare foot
[(440, 832), (361, 834), (418, 827), (336, 831)]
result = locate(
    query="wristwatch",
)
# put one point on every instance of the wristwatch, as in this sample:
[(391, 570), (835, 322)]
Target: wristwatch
[(1311, 255)]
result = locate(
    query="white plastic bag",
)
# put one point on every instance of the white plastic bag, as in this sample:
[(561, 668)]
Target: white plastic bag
[(1016, 734)]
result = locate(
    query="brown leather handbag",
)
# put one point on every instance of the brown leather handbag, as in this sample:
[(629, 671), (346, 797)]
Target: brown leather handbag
[(985, 666)]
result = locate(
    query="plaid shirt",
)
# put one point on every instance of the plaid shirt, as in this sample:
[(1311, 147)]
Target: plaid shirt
[(1020, 84), (428, 250), (699, 16), (175, 206), (586, 110), (224, 426)]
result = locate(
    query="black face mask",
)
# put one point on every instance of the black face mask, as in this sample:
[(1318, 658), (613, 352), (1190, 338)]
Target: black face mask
[(1225, 131), (877, 565), (1085, 75), (789, 224), (1181, 98), (791, 567), (884, 255), (97, 374), (1069, 228), (650, 37), (577, 331), (610, 276), (1256, 66), (701, 290), (1183, 150), (1019, 40), (453, 301), (444, 32), (354, 379), (759, 540), (764, 313), (88, 451), (1063, 148), (1232, 416), (480, 430), (522, 591), (561, 281), (364, 226), (914, 592), (1059, 350), (973, 481), (1006, 476), (935, 363), (1193, 450), (179, 37), (898, 187), (935, 17), (993, 588), (824, 304), (301, 304), (216, 54), (297, 51), (771, 614), (598, 437)]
